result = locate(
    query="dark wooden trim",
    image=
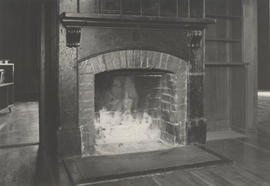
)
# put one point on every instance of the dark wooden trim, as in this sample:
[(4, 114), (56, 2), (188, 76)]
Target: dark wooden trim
[(127, 21), (18, 145), (250, 54), (42, 60), (177, 9), (6, 84), (223, 16), (8, 64), (226, 64), (223, 40)]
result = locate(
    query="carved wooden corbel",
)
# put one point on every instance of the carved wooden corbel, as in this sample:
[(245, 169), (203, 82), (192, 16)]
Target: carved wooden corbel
[(73, 36), (194, 38)]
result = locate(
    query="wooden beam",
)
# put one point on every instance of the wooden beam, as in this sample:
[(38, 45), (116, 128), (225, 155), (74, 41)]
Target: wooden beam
[(42, 61)]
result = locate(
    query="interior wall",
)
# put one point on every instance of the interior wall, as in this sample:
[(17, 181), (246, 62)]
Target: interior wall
[(19, 26), (263, 45), (225, 68)]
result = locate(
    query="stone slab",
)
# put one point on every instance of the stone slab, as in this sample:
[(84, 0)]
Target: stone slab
[(102, 168)]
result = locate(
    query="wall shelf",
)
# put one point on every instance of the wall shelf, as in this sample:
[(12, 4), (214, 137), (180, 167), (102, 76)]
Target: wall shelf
[(7, 86)]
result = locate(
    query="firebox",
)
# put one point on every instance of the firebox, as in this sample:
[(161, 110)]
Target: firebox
[(134, 107)]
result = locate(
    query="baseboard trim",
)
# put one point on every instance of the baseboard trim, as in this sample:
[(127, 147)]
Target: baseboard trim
[(18, 145)]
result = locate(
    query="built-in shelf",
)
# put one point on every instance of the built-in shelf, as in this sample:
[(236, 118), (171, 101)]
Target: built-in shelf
[(7, 87)]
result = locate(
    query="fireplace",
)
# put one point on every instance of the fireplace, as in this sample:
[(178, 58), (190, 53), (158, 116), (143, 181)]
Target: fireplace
[(126, 89), (133, 97)]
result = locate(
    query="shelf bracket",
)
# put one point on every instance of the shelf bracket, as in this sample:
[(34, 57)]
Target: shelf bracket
[(194, 38), (73, 36)]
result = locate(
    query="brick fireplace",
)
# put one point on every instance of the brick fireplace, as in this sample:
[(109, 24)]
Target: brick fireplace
[(130, 79), (140, 85)]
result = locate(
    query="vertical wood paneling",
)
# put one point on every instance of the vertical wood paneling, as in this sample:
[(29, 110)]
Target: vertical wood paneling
[(263, 45), (166, 8), (226, 84), (216, 98), (196, 8), (89, 6), (238, 98), (150, 8)]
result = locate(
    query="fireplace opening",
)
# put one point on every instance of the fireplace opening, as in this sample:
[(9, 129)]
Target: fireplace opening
[(136, 110)]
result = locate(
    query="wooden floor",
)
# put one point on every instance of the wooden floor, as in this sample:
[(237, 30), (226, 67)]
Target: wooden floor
[(263, 113), (19, 127), (19, 165)]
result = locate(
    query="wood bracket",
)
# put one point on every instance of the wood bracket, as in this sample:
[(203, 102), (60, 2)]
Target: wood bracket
[(73, 36), (194, 38)]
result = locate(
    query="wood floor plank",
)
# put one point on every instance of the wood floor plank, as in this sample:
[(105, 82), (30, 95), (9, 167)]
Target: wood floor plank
[(238, 176), (263, 115), (255, 160), (258, 141), (181, 178), (21, 126), (18, 166), (142, 181), (210, 177)]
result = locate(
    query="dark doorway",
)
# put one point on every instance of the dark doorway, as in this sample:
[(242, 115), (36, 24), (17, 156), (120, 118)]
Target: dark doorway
[(263, 45), (20, 43)]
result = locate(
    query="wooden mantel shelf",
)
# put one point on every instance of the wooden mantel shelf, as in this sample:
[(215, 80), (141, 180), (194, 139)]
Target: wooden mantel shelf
[(74, 21), (131, 21)]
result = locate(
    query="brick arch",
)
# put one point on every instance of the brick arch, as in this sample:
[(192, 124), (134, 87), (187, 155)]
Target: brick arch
[(129, 59), (132, 59)]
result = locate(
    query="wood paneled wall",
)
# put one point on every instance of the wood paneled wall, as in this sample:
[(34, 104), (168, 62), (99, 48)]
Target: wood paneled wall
[(167, 8), (263, 45), (223, 52), (231, 65), (227, 94), (19, 26)]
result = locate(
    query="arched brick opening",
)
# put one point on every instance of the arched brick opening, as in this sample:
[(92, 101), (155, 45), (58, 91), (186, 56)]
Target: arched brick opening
[(132, 60)]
